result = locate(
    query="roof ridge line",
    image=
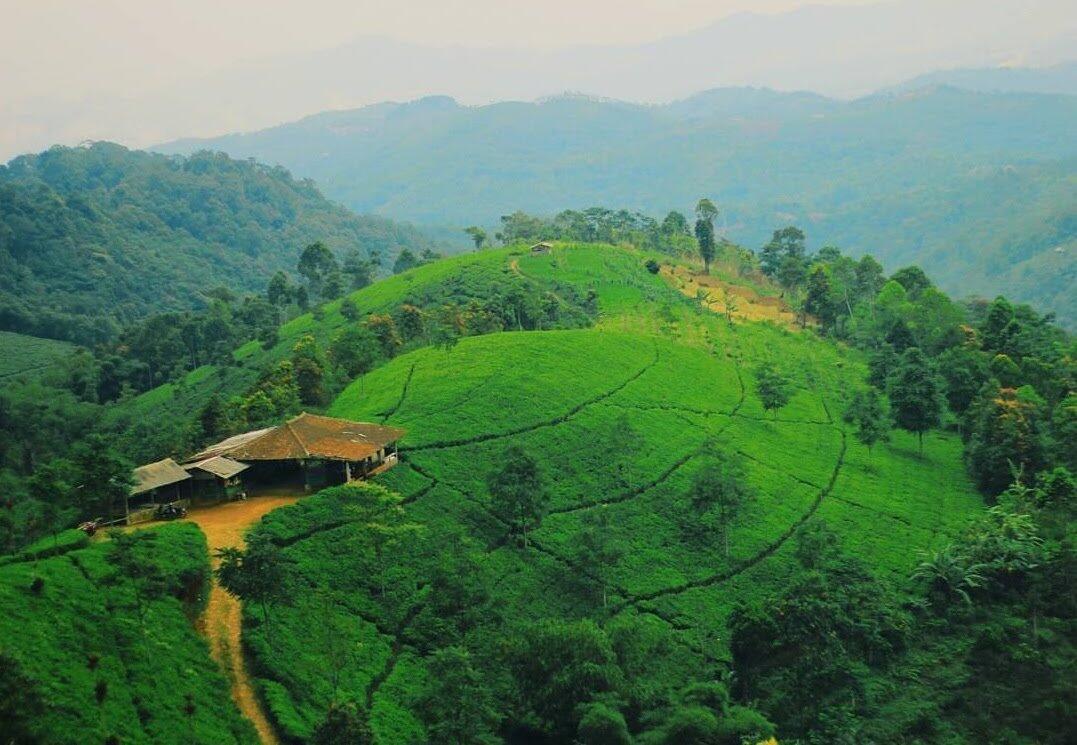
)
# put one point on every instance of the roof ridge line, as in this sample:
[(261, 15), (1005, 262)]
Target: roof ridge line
[(288, 425)]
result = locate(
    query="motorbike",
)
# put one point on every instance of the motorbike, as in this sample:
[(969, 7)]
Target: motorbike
[(170, 511)]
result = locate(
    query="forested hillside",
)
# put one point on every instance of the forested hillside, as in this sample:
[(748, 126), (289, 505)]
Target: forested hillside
[(640, 499), (975, 187), (93, 238)]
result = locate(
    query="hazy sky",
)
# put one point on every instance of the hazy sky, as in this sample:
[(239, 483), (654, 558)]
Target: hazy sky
[(78, 46), (145, 71)]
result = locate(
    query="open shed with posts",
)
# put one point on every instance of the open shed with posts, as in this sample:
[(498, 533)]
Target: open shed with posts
[(161, 482)]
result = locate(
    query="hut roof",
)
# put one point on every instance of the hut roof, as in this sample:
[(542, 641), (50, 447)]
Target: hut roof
[(307, 436), (154, 475), (218, 465)]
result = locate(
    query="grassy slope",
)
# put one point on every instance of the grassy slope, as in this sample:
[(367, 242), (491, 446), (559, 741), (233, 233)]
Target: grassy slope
[(29, 356), (681, 378), (83, 614)]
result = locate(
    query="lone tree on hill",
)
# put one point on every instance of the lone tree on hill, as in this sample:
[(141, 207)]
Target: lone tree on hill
[(720, 488), (915, 392), (136, 571), (868, 413), (596, 550), (257, 574), (478, 235), (774, 389), (705, 214), (517, 493)]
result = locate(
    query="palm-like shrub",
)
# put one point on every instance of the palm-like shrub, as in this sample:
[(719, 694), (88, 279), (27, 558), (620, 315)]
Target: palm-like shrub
[(949, 574)]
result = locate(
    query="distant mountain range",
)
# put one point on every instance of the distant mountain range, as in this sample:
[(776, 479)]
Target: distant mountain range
[(1061, 79), (839, 50), (976, 187)]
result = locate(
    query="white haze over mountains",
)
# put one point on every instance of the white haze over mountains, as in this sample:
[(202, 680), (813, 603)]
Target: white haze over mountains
[(839, 50)]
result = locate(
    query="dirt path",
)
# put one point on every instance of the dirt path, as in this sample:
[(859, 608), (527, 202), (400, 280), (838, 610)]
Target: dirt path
[(224, 526)]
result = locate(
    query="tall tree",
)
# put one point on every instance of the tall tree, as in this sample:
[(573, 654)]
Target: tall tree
[(773, 387), (404, 261), (478, 235), (705, 214), (279, 291), (868, 412), (360, 271), (134, 570), (1008, 431), (317, 264), (355, 350), (517, 492), (309, 370), (720, 489), (104, 477), (256, 574), (597, 550), (675, 223), (785, 243), (915, 392)]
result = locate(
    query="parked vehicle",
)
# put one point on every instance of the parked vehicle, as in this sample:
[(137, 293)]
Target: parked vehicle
[(90, 526), (170, 511)]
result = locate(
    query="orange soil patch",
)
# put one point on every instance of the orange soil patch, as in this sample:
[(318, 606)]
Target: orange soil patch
[(749, 305), (221, 624)]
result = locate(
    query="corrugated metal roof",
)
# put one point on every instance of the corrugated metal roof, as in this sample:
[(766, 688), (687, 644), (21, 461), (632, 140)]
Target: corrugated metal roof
[(307, 436), (156, 475), (220, 466)]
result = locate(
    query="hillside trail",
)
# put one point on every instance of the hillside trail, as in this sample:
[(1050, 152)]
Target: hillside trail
[(221, 624)]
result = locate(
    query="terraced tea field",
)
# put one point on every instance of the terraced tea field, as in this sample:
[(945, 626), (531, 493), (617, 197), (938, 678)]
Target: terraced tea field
[(620, 417)]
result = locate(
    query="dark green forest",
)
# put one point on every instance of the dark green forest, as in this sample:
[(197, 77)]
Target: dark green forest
[(94, 238)]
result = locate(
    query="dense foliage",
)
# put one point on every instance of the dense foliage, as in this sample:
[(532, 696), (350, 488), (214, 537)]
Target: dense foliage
[(633, 519), (98, 645), (92, 238)]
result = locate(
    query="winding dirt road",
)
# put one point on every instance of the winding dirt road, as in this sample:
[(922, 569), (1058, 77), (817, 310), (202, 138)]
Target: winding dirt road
[(224, 526)]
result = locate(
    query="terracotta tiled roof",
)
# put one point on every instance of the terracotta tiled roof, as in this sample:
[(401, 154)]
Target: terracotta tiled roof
[(155, 475), (307, 436)]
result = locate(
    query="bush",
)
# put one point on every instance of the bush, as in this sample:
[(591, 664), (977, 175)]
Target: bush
[(602, 725), (742, 724)]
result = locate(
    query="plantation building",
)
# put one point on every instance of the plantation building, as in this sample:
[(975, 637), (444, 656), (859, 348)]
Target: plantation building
[(306, 452)]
